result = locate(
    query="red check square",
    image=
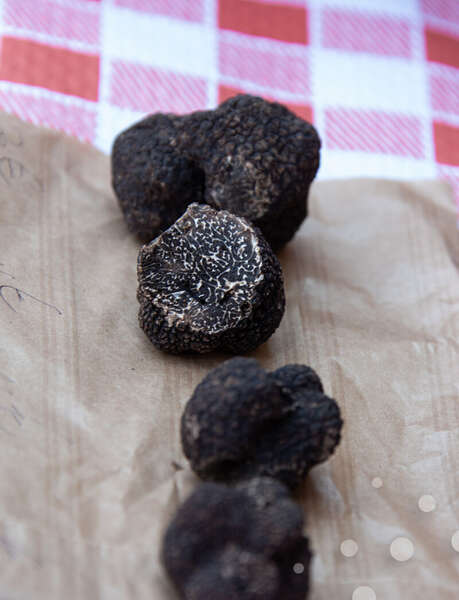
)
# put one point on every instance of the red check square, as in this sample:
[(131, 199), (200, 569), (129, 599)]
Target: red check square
[(446, 143), (441, 47), (66, 71), (285, 23)]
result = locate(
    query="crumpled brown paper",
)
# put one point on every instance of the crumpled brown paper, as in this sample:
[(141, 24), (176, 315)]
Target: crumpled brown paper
[(91, 467)]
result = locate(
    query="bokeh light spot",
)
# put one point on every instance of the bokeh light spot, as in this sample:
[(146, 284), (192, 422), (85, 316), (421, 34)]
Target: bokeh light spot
[(402, 549), (427, 503), (364, 592), (349, 548)]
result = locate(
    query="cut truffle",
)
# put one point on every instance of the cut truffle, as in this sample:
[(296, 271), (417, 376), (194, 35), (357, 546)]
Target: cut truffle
[(242, 422), (241, 543), (252, 157), (209, 282)]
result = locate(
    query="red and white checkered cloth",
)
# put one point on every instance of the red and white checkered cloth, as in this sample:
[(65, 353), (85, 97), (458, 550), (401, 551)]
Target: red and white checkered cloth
[(379, 79)]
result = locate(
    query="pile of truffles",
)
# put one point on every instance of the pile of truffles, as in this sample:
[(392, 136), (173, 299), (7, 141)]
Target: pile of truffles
[(214, 194), (255, 435)]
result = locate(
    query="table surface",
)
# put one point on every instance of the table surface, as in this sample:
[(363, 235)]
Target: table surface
[(379, 79)]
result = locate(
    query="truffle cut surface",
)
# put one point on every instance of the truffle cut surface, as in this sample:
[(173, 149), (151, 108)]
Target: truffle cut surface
[(210, 281)]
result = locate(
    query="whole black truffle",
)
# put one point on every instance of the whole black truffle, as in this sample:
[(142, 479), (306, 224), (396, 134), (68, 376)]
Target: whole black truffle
[(210, 281), (242, 543), (242, 421), (252, 157)]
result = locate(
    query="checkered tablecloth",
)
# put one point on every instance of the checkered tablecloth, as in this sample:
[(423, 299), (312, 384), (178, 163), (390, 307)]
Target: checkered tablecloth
[(379, 79)]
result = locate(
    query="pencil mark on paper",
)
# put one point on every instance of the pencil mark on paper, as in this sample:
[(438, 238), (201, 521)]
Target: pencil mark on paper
[(21, 294), (12, 416), (11, 138), (8, 379), (17, 415), (6, 272), (8, 548), (12, 170)]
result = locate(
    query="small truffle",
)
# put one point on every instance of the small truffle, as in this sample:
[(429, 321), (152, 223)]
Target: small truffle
[(252, 157), (209, 282), (241, 543), (242, 422)]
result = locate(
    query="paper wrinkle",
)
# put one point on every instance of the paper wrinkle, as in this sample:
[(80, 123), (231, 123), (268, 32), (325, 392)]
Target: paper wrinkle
[(322, 481), (91, 467)]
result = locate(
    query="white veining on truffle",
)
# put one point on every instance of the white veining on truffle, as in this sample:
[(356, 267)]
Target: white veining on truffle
[(203, 271)]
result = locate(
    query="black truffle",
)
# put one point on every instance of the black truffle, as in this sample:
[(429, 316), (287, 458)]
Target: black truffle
[(252, 157), (242, 543), (242, 421), (210, 281)]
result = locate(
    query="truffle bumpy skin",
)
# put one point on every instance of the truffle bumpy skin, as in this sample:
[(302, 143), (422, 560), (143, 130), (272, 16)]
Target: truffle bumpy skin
[(210, 281), (249, 156), (238, 544), (242, 421)]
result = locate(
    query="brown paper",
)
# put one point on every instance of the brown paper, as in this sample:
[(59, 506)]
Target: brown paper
[(91, 467)]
